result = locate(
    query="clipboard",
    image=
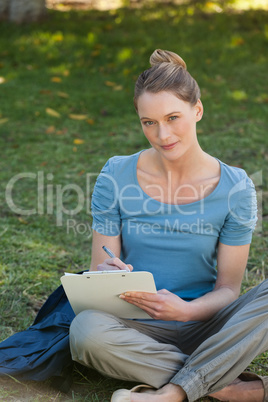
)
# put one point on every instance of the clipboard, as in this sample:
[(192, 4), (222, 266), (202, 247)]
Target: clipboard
[(100, 290)]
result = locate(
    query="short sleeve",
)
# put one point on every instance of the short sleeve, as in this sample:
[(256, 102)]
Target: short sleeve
[(241, 219), (104, 203)]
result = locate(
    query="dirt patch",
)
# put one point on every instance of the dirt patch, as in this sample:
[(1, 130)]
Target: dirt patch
[(26, 391)]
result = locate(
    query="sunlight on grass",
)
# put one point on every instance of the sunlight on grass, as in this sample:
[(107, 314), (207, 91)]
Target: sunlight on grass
[(250, 4), (209, 6), (92, 38), (124, 54), (241, 5)]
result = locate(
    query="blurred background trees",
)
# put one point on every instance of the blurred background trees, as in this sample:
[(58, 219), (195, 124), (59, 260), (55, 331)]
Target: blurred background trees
[(22, 10)]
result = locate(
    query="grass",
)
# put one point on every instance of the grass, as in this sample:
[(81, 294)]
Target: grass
[(66, 88)]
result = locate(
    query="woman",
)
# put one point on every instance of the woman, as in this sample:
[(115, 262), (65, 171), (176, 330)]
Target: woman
[(177, 212)]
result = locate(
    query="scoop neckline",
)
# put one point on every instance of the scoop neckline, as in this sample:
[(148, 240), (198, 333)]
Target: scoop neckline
[(174, 205)]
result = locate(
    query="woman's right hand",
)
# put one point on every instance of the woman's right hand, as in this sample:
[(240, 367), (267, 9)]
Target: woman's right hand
[(111, 264)]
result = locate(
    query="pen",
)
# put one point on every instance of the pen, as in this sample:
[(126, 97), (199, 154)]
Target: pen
[(109, 252), (112, 255)]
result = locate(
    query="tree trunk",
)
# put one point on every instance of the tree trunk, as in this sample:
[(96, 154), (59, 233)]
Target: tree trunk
[(22, 10), (4, 5)]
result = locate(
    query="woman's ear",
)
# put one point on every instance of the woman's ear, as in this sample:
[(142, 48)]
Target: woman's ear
[(198, 110)]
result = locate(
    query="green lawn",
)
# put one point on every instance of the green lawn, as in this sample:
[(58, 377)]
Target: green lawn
[(66, 89)]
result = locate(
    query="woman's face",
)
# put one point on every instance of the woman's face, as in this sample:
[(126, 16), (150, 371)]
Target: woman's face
[(169, 123)]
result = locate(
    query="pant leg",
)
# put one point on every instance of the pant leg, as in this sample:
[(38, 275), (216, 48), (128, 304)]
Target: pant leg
[(111, 346), (218, 360)]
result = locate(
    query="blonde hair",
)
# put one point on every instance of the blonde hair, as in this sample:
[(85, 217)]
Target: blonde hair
[(168, 72)]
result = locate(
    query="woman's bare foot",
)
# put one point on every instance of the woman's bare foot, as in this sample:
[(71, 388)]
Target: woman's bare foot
[(170, 393), (241, 391)]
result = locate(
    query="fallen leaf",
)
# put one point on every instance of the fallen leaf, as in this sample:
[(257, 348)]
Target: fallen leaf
[(78, 116), (75, 149), (237, 41), (108, 27), (62, 94), (90, 121), (2, 80), (56, 79), (126, 71), (52, 112), (50, 130), (45, 91), (95, 53), (78, 141), (22, 220), (110, 83), (263, 98), (66, 73), (3, 121), (118, 88)]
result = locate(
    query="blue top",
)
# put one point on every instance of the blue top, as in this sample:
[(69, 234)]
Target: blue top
[(177, 243)]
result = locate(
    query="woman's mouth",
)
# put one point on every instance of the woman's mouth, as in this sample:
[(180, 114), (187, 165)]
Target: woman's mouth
[(169, 146)]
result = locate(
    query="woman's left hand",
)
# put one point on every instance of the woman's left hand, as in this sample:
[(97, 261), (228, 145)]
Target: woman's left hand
[(162, 305)]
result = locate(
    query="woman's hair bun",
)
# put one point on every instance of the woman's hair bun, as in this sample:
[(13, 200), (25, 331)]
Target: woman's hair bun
[(165, 56), (168, 72)]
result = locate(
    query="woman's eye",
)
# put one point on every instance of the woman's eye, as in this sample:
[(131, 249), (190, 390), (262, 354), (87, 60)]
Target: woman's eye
[(148, 123), (173, 117)]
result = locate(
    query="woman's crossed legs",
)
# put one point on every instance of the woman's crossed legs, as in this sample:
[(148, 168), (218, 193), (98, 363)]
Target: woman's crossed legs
[(180, 360)]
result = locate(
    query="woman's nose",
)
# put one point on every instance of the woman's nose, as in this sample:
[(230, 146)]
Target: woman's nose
[(163, 131)]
